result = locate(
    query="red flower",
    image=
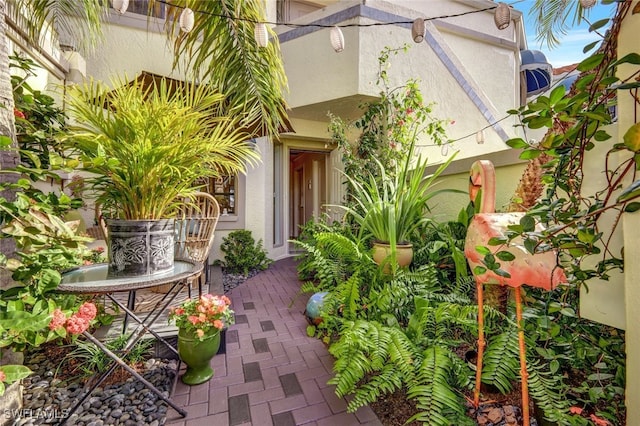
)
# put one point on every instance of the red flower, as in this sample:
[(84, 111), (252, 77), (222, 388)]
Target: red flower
[(598, 421), (218, 324), (58, 319), (575, 410), (3, 376), (19, 113)]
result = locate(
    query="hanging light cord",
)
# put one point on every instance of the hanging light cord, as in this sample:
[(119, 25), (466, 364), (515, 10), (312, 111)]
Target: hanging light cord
[(373, 24)]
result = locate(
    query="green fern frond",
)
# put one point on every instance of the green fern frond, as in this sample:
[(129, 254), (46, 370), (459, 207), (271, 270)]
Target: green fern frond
[(438, 402), (386, 382), (501, 361), (548, 391)]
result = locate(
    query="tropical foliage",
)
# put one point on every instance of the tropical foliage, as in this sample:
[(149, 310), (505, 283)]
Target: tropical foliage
[(242, 254), (151, 144)]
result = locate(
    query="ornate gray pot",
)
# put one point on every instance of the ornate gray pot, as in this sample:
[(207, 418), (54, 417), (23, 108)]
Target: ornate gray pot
[(140, 247)]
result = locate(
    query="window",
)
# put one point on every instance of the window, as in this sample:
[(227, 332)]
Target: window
[(223, 188)]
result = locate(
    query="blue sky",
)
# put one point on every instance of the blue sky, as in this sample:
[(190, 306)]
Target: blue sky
[(569, 51)]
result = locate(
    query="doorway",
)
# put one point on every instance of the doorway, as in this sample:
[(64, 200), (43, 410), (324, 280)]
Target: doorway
[(307, 187)]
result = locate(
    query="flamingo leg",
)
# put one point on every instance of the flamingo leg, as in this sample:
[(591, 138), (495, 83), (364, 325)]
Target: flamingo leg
[(523, 360), (481, 343)]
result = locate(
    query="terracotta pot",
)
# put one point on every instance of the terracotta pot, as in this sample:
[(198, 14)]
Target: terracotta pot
[(382, 251), (197, 355)]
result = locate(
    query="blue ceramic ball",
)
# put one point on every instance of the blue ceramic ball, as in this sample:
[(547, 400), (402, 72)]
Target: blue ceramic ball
[(314, 304)]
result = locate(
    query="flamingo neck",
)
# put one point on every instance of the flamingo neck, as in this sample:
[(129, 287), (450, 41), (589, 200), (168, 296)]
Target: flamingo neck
[(483, 179)]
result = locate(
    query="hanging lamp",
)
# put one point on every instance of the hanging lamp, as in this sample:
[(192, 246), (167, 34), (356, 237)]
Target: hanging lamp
[(261, 35), (187, 20), (417, 30), (120, 6), (480, 137), (502, 17), (337, 39)]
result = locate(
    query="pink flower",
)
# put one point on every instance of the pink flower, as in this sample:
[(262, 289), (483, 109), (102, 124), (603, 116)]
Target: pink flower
[(193, 319), (226, 300), (3, 376), (200, 332), (87, 311), (77, 324), (100, 249), (218, 324), (58, 320), (179, 311)]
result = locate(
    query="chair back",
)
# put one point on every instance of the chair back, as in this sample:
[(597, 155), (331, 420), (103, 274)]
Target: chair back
[(195, 227)]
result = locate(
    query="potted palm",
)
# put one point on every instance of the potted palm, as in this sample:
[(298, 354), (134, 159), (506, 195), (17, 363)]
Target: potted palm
[(145, 146), (391, 207)]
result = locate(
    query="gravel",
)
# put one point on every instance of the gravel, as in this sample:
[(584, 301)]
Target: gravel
[(48, 399)]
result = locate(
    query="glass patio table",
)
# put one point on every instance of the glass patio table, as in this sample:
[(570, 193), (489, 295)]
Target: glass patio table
[(94, 279)]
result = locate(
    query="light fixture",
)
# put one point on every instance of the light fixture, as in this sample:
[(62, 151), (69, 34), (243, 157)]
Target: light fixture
[(187, 20), (120, 6), (502, 17), (417, 30), (337, 39), (444, 149), (480, 137), (586, 4), (260, 32)]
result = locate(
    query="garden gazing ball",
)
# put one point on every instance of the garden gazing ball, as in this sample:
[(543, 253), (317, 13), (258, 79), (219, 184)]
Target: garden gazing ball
[(314, 305)]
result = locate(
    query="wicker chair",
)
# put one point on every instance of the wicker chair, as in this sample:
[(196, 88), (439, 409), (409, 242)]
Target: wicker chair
[(195, 227)]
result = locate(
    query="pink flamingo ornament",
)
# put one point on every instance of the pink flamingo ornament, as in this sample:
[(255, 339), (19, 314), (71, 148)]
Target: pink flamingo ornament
[(536, 270)]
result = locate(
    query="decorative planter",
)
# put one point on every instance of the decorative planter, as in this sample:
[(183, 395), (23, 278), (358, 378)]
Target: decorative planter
[(197, 355), (382, 251), (140, 247)]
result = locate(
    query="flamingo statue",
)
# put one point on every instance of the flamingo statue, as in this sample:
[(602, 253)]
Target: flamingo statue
[(536, 270)]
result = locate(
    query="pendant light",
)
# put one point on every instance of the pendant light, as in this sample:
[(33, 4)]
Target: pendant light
[(502, 18), (187, 20), (417, 30), (261, 35), (480, 137), (120, 6), (586, 4), (337, 39)]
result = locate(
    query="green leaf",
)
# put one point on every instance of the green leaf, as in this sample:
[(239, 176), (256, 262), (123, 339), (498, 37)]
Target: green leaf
[(483, 250), (311, 330), (598, 24), (590, 46), (568, 312), (557, 94), (530, 244), (15, 372), (591, 62), (502, 273), (496, 241), (479, 270), (554, 366), (517, 143), (632, 207), (530, 154), (505, 256), (627, 86), (601, 136), (600, 376), (5, 141), (528, 223), (631, 58)]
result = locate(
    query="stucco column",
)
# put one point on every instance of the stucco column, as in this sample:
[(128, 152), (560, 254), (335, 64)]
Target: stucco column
[(627, 109)]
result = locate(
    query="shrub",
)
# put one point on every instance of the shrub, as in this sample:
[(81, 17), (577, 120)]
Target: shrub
[(242, 254)]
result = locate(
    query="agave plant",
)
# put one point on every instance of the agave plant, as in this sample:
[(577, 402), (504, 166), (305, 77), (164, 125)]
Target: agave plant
[(147, 145)]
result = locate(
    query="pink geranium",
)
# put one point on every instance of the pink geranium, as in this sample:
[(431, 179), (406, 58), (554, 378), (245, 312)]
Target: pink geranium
[(58, 319), (203, 316)]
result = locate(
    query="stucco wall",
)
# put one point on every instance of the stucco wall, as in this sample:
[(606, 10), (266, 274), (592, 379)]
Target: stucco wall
[(627, 43)]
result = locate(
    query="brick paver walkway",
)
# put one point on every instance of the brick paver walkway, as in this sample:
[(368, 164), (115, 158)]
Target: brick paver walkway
[(272, 373)]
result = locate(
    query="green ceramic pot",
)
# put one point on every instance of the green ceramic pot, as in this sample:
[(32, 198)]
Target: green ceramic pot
[(197, 354)]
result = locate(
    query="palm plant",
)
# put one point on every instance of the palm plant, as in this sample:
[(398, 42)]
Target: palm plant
[(151, 144)]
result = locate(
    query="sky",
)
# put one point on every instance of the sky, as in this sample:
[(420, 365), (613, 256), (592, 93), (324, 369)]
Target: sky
[(569, 51)]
